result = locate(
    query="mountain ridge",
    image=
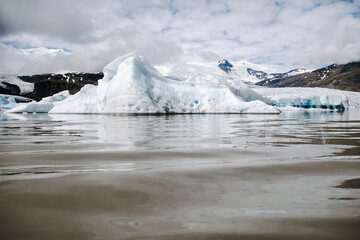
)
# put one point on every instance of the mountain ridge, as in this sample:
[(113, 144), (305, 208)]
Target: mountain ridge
[(47, 84), (335, 76)]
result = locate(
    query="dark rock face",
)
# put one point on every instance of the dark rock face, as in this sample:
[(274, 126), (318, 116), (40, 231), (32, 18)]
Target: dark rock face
[(10, 89), (48, 84), (342, 77), (225, 65), (259, 74), (270, 76), (87, 78)]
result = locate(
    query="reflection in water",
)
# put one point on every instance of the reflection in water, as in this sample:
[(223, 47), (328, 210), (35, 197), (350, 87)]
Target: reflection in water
[(288, 137), (196, 131), (258, 139)]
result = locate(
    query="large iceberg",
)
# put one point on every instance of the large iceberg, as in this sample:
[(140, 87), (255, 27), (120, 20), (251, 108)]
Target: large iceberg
[(132, 85)]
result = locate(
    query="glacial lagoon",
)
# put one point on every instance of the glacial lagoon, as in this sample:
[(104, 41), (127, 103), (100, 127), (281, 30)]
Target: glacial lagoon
[(194, 176)]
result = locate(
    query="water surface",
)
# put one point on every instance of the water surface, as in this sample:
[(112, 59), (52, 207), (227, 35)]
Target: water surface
[(200, 176)]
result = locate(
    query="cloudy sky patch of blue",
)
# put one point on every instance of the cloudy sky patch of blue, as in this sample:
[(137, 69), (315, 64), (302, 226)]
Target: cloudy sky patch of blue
[(307, 33)]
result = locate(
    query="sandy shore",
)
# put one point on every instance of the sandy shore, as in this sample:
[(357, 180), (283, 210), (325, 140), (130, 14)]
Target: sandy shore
[(286, 201)]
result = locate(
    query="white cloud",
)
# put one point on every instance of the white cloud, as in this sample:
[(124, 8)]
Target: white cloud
[(330, 54), (306, 33)]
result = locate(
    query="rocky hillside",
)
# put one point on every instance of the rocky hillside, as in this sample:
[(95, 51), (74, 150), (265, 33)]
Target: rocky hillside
[(48, 84), (342, 77)]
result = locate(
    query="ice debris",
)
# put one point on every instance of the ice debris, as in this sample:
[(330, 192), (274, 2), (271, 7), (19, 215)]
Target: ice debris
[(43, 106)]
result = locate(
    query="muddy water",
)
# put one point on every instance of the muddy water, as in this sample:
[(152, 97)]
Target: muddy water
[(288, 176)]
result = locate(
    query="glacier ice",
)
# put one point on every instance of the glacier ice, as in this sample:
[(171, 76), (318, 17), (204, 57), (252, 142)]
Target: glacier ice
[(314, 98), (7, 103), (132, 85)]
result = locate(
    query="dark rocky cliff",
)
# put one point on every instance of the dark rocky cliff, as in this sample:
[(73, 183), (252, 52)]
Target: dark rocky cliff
[(48, 84)]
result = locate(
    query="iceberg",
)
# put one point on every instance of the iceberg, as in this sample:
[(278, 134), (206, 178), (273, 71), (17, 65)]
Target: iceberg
[(132, 85), (311, 98), (11, 101), (44, 106), (7, 103)]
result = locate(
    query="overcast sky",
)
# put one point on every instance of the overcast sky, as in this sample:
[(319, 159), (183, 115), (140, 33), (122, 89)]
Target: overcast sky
[(306, 33)]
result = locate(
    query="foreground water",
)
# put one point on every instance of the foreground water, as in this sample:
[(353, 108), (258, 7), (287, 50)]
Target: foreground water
[(180, 176)]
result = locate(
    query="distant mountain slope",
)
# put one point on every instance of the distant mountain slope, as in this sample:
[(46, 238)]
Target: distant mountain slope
[(252, 73), (43, 85), (263, 76), (243, 71), (342, 77), (11, 84)]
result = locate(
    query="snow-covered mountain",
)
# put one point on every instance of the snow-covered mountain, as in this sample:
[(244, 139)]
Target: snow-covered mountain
[(335, 76), (41, 51), (263, 76), (243, 71)]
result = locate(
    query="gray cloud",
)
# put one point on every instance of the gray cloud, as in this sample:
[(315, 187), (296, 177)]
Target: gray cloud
[(67, 20), (306, 33)]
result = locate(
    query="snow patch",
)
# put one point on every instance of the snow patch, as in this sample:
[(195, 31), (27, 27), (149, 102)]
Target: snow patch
[(25, 87)]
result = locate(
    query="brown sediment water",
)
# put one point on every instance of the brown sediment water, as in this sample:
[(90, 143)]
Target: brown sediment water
[(180, 177)]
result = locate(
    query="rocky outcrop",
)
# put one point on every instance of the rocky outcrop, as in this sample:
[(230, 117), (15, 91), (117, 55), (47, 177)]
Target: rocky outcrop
[(10, 89), (342, 77), (49, 84)]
